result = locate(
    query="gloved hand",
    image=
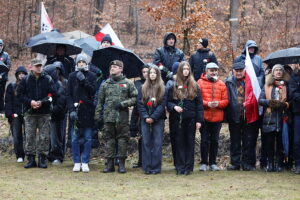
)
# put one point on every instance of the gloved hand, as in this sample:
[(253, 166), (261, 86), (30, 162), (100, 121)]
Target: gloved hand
[(73, 116), (118, 106), (274, 103), (80, 76), (284, 105), (170, 76)]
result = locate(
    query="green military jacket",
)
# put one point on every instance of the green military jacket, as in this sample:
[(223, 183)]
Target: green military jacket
[(112, 92)]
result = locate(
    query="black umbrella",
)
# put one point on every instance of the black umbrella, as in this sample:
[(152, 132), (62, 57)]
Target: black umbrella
[(132, 63), (88, 45), (43, 36), (48, 47), (284, 56)]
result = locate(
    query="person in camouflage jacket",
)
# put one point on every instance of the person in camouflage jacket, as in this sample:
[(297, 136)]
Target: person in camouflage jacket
[(115, 96)]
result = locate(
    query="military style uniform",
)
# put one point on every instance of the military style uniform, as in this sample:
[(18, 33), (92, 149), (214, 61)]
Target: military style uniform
[(116, 92)]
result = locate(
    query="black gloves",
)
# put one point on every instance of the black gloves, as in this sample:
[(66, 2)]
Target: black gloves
[(80, 76), (73, 116)]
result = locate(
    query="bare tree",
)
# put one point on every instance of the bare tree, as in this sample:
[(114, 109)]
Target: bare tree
[(234, 24)]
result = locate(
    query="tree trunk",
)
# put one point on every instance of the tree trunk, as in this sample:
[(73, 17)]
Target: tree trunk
[(234, 23), (137, 23), (99, 4), (186, 44)]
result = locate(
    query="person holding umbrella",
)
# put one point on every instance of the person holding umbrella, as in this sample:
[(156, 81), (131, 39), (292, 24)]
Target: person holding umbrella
[(274, 98), (80, 98), (116, 94), (106, 41), (4, 57), (14, 111)]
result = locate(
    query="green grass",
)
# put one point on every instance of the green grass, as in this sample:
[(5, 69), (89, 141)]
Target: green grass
[(59, 182)]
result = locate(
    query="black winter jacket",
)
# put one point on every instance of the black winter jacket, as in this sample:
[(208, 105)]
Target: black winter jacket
[(294, 92), (13, 103), (4, 57), (67, 61)]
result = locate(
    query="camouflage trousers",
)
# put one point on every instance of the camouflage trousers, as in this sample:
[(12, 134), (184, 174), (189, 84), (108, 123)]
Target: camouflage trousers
[(37, 130), (116, 136)]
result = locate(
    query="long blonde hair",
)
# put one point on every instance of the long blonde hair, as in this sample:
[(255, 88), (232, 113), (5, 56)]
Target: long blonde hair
[(188, 83), (153, 89)]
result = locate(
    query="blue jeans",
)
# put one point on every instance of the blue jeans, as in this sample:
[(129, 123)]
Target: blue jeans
[(86, 133), (297, 140)]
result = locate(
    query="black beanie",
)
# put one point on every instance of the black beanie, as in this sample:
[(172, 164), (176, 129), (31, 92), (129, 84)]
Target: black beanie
[(106, 38), (204, 42)]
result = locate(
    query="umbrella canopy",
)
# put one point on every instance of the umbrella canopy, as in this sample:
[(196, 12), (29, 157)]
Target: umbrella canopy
[(284, 56), (76, 35), (3, 67), (43, 36), (132, 63), (48, 47), (88, 45)]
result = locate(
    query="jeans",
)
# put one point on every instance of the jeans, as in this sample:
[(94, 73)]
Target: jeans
[(87, 144), (18, 133)]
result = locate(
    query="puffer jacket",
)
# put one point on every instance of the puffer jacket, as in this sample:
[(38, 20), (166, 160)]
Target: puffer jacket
[(213, 91)]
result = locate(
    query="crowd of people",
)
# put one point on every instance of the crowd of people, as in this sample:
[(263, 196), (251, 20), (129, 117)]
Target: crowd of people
[(63, 94)]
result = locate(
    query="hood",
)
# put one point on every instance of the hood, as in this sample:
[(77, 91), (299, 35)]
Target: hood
[(250, 43), (167, 35), (203, 50), (21, 69), (270, 80)]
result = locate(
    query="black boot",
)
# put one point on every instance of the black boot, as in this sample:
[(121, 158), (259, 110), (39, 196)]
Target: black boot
[(42, 161), (270, 166), (122, 166), (110, 166), (279, 166), (31, 162)]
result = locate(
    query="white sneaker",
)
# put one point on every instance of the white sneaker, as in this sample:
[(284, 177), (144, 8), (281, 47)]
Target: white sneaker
[(214, 168), (85, 167), (20, 160), (203, 167), (77, 167), (56, 162)]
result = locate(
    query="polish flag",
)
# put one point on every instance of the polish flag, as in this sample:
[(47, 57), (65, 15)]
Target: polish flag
[(107, 29), (46, 25), (252, 91)]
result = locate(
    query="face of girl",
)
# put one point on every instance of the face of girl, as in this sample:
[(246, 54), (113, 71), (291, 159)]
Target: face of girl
[(152, 75), (186, 71), (145, 72), (21, 75)]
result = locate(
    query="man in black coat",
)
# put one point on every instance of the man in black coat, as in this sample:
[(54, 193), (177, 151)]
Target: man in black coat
[(166, 56), (37, 91), (201, 57), (4, 57), (80, 97)]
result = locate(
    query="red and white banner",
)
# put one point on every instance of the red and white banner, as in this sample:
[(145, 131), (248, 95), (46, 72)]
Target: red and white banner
[(252, 91), (46, 25), (107, 29)]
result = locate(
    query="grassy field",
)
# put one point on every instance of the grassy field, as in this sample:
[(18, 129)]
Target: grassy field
[(59, 182)]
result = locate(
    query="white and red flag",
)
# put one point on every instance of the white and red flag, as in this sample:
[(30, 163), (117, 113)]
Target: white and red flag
[(46, 25), (107, 29), (252, 91)]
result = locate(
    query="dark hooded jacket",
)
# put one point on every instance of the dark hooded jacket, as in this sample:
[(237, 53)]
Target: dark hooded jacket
[(294, 92), (167, 55), (197, 61), (4, 57), (67, 61), (256, 61)]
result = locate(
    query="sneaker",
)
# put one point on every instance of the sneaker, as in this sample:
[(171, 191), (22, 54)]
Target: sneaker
[(56, 162), (297, 170), (203, 167), (77, 167), (214, 168), (20, 160), (85, 167)]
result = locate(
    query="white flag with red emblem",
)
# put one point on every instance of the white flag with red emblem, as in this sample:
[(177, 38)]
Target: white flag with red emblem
[(46, 25), (252, 91), (107, 29)]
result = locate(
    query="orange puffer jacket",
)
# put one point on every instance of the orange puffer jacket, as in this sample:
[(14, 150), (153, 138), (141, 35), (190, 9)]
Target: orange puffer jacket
[(213, 91)]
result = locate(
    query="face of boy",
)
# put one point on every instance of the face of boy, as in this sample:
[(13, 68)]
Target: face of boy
[(37, 69), (105, 44), (115, 70)]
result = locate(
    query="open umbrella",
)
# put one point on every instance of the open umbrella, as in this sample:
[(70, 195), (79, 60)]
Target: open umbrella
[(284, 56), (88, 45), (76, 35), (43, 36), (48, 47), (132, 63)]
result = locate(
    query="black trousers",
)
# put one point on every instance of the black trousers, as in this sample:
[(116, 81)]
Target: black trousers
[(2, 90), (209, 142), (173, 118), (274, 147), (17, 130), (185, 144), (243, 139)]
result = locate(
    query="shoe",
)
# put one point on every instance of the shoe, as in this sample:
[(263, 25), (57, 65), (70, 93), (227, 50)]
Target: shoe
[(42, 161), (147, 172), (110, 166), (187, 172), (203, 167), (117, 161), (31, 162), (270, 166), (20, 160), (85, 167), (77, 167), (137, 165), (297, 170), (56, 162), (248, 168), (122, 168), (155, 172), (179, 172), (214, 167), (233, 168)]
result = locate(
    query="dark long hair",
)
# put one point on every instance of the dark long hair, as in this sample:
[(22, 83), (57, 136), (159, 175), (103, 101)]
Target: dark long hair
[(188, 83), (154, 88)]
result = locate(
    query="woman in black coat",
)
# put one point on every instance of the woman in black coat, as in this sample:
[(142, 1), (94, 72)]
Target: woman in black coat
[(185, 105)]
